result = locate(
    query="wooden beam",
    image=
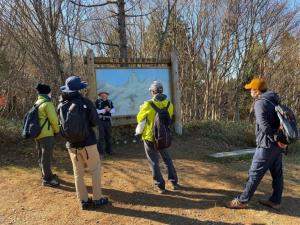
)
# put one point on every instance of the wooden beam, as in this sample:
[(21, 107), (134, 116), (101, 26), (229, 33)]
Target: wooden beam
[(176, 92), (105, 60), (123, 120), (91, 75)]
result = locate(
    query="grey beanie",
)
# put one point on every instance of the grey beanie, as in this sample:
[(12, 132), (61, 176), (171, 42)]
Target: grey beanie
[(157, 87)]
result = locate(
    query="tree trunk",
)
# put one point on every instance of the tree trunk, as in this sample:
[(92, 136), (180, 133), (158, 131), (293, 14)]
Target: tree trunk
[(122, 30)]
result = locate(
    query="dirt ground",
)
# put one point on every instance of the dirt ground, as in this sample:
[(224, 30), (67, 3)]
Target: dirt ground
[(127, 181)]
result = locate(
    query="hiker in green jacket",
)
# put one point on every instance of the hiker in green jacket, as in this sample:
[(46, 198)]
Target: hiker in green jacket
[(148, 113), (45, 141)]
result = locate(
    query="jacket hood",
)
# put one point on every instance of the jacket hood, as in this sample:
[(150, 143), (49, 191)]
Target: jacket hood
[(42, 98), (160, 97), (271, 96)]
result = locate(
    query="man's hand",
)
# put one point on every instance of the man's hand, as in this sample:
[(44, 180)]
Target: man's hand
[(281, 145), (107, 109)]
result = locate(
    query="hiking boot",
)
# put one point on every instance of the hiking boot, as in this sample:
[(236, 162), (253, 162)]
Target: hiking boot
[(53, 182), (161, 190), (235, 204), (100, 202), (86, 204), (269, 203), (175, 187)]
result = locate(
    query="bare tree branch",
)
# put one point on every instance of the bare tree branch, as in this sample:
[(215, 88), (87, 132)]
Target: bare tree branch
[(93, 5)]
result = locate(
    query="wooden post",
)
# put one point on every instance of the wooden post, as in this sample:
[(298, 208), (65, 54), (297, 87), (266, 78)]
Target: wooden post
[(91, 76), (176, 92)]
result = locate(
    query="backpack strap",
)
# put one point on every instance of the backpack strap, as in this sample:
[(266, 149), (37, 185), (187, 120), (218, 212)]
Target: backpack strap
[(168, 105), (267, 101), (109, 102), (154, 106), (46, 120), (38, 105), (99, 103)]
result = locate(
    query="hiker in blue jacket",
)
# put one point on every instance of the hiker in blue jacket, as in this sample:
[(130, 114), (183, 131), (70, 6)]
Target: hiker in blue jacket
[(268, 154), (83, 152)]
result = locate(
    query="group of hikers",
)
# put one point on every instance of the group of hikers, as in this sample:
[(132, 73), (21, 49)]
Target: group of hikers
[(77, 112)]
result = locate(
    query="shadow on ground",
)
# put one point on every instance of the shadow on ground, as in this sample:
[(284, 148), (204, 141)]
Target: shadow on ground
[(184, 198)]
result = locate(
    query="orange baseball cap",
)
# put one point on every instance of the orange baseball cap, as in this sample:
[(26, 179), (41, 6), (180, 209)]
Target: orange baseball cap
[(257, 84)]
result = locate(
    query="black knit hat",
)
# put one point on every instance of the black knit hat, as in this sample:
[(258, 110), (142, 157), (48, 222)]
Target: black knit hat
[(43, 89)]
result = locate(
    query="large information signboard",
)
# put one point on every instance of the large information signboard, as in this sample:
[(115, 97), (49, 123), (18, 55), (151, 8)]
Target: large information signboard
[(129, 87), (128, 82)]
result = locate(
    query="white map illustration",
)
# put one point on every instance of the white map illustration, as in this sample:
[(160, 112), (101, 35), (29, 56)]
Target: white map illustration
[(129, 88)]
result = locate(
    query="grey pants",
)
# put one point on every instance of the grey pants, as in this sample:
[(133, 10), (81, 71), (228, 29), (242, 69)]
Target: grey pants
[(45, 151), (153, 159)]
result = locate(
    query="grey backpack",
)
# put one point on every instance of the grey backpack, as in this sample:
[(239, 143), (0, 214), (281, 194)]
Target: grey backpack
[(288, 123)]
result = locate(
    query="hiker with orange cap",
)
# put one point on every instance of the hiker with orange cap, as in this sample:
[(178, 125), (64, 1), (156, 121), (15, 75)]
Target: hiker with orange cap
[(268, 154)]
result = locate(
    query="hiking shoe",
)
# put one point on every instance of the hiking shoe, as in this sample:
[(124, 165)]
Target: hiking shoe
[(86, 204), (100, 202), (175, 187), (161, 190), (235, 204), (269, 203), (53, 182)]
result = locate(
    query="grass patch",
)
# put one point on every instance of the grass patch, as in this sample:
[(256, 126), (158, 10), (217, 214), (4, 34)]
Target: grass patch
[(240, 134)]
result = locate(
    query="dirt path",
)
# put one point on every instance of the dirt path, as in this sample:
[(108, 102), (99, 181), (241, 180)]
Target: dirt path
[(128, 184)]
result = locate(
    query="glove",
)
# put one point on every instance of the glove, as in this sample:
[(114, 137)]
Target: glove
[(280, 136)]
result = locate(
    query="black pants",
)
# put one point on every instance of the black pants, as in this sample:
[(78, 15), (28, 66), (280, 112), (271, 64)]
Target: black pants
[(104, 139), (45, 151)]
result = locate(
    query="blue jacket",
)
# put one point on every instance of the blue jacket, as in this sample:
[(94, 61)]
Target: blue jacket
[(267, 122)]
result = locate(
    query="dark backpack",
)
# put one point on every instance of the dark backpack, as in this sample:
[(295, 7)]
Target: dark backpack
[(288, 123), (31, 125), (161, 128), (73, 120)]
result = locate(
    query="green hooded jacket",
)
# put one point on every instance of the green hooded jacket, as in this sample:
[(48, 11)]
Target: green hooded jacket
[(47, 110), (147, 112)]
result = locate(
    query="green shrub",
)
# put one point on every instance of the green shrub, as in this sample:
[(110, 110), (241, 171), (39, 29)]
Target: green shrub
[(233, 133), (10, 132)]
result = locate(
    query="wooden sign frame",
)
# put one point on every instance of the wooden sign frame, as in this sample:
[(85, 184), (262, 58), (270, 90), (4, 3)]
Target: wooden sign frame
[(94, 63)]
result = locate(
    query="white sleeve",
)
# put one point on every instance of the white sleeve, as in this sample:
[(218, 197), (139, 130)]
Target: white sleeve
[(100, 111), (112, 111)]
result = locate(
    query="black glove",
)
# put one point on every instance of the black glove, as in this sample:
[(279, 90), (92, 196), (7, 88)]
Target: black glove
[(280, 136)]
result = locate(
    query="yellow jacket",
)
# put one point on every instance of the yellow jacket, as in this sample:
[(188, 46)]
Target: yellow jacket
[(47, 110), (147, 112)]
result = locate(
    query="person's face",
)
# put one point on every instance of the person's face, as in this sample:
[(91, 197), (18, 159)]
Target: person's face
[(152, 93), (255, 93), (83, 91), (103, 96)]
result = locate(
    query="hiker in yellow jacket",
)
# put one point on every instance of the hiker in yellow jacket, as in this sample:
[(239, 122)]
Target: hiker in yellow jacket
[(147, 112), (45, 141)]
